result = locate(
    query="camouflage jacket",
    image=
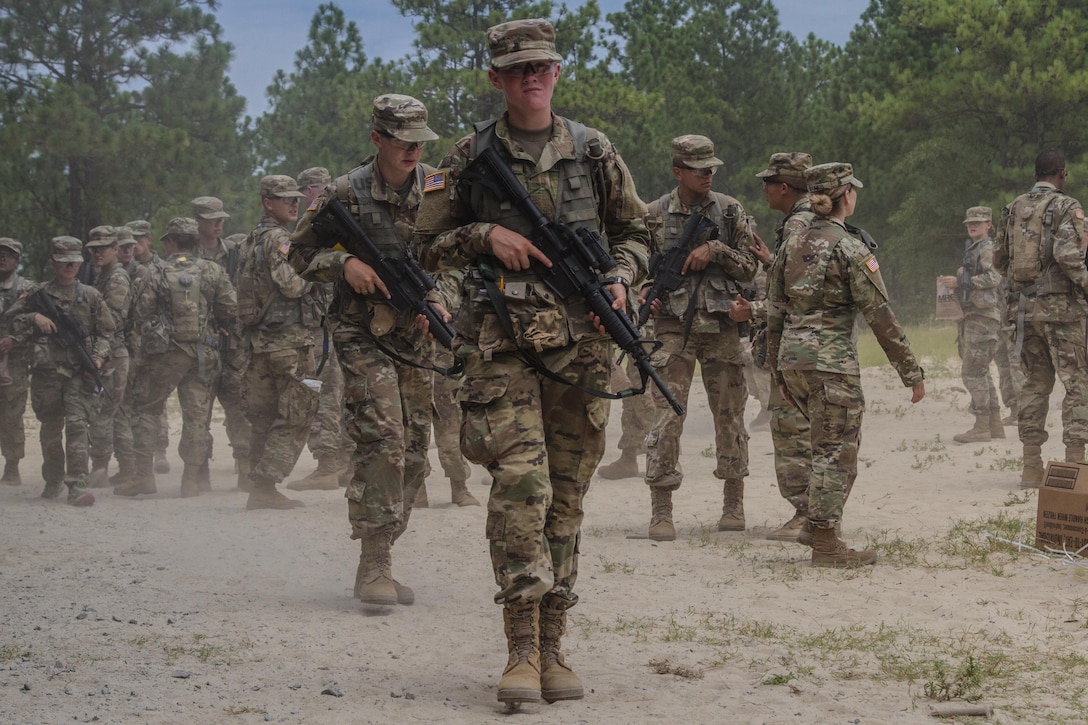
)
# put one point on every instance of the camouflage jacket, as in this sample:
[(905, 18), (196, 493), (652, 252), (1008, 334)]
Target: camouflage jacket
[(280, 281), (116, 290), (84, 303), (797, 221), (454, 228), (980, 282), (820, 279), (11, 290)]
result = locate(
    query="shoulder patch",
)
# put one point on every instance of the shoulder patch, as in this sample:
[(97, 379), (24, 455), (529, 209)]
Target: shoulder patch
[(285, 247), (313, 204), (1079, 214), (871, 264), (434, 182)]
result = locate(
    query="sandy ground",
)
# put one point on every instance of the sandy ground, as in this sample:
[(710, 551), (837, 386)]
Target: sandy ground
[(166, 610)]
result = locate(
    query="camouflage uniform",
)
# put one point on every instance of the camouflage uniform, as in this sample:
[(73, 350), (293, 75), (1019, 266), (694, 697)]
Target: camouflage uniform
[(539, 439), (1049, 313), (189, 364), (694, 327), (820, 280), (13, 393), (60, 394), (106, 435), (1010, 375), (279, 405), (789, 427), (233, 356)]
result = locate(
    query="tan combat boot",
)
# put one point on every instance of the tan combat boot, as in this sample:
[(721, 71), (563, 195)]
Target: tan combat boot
[(1074, 453), (244, 469), (997, 426), (421, 502), (1032, 477), (804, 536), (626, 466), (126, 468), (732, 505), (979, 433), (142, 481), (1013, 417), (557, 680), (325, 478), (162, 465), (190, 480), (661, 528), (99, 477), (521, 679), (263, 495), (374, 576), (791, 529), (831, 551), (459, 494), (11, 475)]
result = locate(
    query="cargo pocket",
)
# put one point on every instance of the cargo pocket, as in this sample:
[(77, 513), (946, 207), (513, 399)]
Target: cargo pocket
[(845, 404), (484, 425), (718, 297)]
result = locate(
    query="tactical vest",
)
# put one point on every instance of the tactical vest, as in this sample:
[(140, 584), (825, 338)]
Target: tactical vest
[(183, 296), (1029, 228), (8, 296), (716, 291), (259, 305), (374, 217)]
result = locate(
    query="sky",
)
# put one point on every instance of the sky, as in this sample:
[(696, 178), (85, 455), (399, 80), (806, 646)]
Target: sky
[(266, 34)]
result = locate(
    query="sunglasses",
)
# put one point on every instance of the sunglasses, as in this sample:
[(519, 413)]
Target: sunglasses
[(402, 145), (524, 70), (701, 172)]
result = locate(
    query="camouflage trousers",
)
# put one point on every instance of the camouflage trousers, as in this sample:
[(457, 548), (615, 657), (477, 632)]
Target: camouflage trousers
[(388, 416), (12, 409), (227, 387), (757, 379), (1009, 373), (790, 433), (1054, 349), (637, 411), (977, 344), (280, 409), (833, 404), (162, 442), (721, 362), (111, 428), (541, 441), (160, 374), (63, 406), (447, 422), (328, 434)]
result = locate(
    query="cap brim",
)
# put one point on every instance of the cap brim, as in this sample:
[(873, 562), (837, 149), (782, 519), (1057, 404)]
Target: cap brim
[(524, 56), (288, 195), (710, 163), (11, 249), (68, 258), (214, 215), (855, 181), (414, 135)]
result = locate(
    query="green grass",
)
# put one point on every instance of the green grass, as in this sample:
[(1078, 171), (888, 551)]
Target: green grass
[(936, 341)]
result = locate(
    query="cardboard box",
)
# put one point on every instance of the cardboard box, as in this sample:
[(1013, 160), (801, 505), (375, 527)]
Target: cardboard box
[(1063, 508)]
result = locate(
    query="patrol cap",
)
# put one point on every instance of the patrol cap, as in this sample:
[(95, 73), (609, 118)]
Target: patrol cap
[(182, 227), (521, 41), (12, 244), (103, 236), (279, 186), (694, 152), (827, 177), (139, 228), (402, 117), (124, 236), (67, 249), (979, 214), (788, 165), (314, 176), (209, 208)]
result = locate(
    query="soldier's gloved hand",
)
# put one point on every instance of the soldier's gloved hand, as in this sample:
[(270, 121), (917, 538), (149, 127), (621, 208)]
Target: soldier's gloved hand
[(362, 278), (514, 250)]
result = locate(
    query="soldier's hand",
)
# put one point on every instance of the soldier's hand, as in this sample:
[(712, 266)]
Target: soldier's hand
[(740, 309), (698, 259), (424, 324), (6, 344), (362, 278), (515, 251), (760, 250), (619, 303), (949, 281), (44, 324), (917, 392), (787, 397)]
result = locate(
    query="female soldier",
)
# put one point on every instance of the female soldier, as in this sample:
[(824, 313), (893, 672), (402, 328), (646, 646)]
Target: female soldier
[(817, 285)]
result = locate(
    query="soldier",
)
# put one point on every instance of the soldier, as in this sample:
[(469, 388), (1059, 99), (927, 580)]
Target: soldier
[(1010, 376), (179, 307), (15, 359), (275, 307), (143, 256), (540, 439), (126, 249), (820, 280), (1039, 251), (785, 188), (979, 285), (60, 390), (694, 326), (210, 218), (328, 441), (387, 384), (107, 434)]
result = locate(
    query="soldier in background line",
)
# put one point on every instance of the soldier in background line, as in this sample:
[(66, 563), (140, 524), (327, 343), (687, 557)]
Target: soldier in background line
[(14, 361)]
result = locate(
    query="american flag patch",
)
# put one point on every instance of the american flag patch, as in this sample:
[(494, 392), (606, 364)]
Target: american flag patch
[(434, 182), (871, 264), (285, 247), (313, 204)]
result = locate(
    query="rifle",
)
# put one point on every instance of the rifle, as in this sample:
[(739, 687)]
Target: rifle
[(405, 279), (70, 334), (964, 281), (574, 254), (665, 269)]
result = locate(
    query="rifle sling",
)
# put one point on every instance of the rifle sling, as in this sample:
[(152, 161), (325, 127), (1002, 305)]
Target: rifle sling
[(451, 371)]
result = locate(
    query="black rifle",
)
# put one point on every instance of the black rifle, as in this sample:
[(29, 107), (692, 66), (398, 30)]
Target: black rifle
[(70, 334), (665, 268), (964, 281), (575, 255), (405, 279)]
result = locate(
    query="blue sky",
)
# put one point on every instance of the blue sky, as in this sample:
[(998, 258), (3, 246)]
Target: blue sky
[(267, 33)]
